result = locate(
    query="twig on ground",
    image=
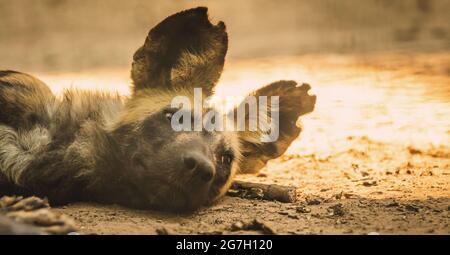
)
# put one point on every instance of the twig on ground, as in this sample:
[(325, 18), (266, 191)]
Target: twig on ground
[(285, 194)]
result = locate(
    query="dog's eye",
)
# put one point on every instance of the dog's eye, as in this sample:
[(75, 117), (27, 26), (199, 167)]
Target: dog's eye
[(169, 116), (169, 112), (226, 158)]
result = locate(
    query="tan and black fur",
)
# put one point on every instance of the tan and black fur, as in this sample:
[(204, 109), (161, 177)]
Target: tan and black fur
[(101, 147)]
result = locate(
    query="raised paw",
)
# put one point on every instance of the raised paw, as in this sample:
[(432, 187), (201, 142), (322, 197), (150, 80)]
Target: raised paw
[(294, 99), (294, 102)]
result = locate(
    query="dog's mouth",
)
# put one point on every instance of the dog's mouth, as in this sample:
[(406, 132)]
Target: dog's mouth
[(173, 198), (183, 195)]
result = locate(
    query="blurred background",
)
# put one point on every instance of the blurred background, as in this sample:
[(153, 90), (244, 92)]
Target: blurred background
[(380, 68), (74, 35)]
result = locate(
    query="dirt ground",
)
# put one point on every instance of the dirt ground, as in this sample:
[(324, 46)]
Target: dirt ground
[(374, 157)]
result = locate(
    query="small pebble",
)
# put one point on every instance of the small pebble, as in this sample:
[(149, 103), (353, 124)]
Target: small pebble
[(303, 209), (237, 226), (412, 208), (336, 210), (313, 201), (369, 184)]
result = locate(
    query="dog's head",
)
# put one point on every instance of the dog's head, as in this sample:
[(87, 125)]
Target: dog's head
[(181, 169)]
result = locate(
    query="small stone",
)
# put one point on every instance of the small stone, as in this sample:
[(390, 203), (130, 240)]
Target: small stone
[(237, 226), (336, 210), (303, 209), (348, 195), (254, 225), (392, 204), (436, 210), (414, 150), (412, 208), (218, 221), (313, 201), (292, 216), (261, 226), (338, 195), (370, 183), (364, 174), (316, 215), (164, 231)]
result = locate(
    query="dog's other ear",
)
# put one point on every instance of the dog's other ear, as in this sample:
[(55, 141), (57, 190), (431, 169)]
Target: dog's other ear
[(184, 50), (294, 102)]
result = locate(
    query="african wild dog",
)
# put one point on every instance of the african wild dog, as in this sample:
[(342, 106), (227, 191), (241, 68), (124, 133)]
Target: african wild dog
[(101, 147)]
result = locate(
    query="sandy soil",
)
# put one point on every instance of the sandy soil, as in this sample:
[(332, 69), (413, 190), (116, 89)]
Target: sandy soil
[(374, 156)]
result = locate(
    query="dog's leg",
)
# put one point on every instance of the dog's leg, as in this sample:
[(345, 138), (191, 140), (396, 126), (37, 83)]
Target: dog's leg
[(294, 101), (32, 215)]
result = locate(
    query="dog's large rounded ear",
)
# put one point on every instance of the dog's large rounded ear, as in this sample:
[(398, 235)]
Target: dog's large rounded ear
[(294, 101), (184, 50)]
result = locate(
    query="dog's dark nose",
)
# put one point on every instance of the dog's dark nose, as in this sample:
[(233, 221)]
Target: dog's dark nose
[(200, 166)]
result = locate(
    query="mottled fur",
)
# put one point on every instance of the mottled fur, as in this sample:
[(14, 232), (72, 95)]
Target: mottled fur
[(101, 147)]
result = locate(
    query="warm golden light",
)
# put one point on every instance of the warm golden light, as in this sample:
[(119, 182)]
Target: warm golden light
[(354, 98)]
